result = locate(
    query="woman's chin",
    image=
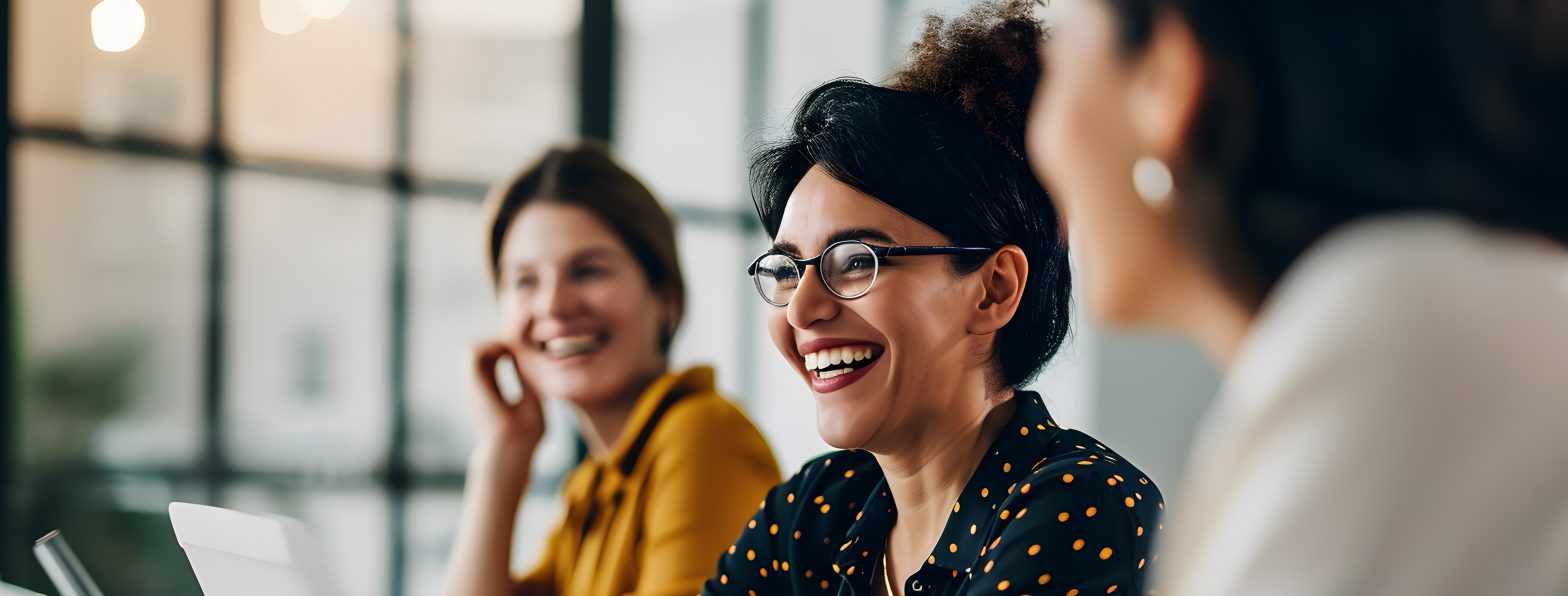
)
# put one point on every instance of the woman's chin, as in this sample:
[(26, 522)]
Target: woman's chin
[(580, 390), (844, 430)]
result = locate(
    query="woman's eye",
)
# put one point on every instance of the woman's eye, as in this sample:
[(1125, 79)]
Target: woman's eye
[(525, 282), (589, 272), (859, 263)]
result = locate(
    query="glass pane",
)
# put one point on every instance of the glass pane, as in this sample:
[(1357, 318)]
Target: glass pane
[(713, 260), (680, 112), (814, 41), (494, 83), (452, 309), (118, 526), (156, 90), (324, 95), (111, 257), (350, 526), (307, 323), (432, 524)]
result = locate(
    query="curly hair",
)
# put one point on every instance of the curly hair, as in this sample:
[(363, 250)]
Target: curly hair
[(942, 143), (987, 60)]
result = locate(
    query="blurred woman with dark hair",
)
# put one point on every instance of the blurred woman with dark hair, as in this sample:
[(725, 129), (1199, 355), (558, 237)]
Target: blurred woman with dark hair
[(1357, 208), (590, 291), (918, 283)]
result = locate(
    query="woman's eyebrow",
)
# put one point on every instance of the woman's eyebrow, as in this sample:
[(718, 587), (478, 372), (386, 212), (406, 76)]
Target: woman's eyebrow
[(861, 234)]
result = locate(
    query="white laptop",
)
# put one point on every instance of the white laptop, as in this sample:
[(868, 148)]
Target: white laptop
[(241, 554)]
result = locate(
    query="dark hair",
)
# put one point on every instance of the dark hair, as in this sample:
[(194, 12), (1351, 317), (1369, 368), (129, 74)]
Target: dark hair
[(585, 175), (1319, 114), (943, 144)]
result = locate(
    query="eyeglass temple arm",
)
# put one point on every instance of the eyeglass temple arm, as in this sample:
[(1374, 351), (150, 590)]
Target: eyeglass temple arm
[(894, 251)]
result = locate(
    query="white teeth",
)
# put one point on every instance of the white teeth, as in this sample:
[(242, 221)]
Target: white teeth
[(562, 347), (836, 356)]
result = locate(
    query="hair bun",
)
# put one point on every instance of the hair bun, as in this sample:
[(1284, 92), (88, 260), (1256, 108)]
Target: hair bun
[(986, 61)]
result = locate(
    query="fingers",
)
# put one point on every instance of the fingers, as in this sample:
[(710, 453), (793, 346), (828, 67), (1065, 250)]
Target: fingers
[(528, 391), (486, 357), (529, 408)]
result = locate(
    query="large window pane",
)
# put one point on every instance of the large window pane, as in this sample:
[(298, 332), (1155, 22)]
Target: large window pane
[(324, 95), (713, 261), (306, 366), (814, 41), (110, 255), (494, 82), (156, 90), (680, 98), (451, 309)]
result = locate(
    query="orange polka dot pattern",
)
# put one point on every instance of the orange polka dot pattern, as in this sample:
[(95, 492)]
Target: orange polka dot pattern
[(1081, 537)]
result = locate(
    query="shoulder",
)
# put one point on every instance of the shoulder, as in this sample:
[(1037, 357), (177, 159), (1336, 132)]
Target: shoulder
[(1080, 477), (1082, 518), (705, 422), (827, 491), (1408, 271), (1432, 300)]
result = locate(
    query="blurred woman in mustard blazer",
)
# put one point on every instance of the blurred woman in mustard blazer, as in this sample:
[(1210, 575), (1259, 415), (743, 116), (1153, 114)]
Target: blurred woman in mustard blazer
[(590, 292)]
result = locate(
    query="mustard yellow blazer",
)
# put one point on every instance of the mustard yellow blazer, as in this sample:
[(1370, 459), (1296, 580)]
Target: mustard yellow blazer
[(654, 516)]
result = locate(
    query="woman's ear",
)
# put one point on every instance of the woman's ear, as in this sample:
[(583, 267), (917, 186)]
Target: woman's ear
[(1168, 87), (1002, 290)]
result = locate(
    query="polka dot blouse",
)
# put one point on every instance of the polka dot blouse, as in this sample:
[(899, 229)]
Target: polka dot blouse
[(1048, 511)]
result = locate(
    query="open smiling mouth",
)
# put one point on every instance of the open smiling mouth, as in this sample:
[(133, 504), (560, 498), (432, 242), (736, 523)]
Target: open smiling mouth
[(833, 362), (572, 345)]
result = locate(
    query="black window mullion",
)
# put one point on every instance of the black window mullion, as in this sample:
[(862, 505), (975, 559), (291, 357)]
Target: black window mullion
[(398, 475), (8, 381), (596, 70), (214, 461)]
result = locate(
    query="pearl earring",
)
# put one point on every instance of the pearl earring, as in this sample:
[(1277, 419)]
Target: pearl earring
[(1152, 179)]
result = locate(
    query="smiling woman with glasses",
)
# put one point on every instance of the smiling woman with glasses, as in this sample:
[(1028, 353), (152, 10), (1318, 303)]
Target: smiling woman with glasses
[(919, 282)]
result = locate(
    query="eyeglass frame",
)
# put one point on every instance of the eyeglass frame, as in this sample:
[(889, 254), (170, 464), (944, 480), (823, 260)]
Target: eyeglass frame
[(882, 253)]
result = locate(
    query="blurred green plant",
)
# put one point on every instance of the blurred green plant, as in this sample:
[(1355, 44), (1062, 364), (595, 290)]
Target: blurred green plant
[(65, 397), (69, 394)]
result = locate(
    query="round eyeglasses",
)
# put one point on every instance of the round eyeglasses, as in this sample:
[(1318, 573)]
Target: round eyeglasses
[(847, 268)]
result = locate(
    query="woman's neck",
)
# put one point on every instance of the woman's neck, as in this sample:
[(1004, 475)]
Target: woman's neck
[(1218, 322), (603, 424), (1194, 302), (931, 465)]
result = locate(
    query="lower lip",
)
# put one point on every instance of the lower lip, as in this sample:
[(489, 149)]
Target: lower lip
[(839, 382)]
